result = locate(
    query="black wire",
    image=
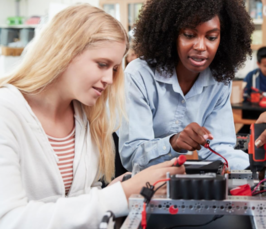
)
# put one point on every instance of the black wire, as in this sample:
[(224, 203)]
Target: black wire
[(159, 187), (255, 185), (199, 225), (258, 192), (148, 185)]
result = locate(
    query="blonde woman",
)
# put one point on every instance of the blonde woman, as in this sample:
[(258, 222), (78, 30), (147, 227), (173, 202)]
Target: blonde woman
[(55, 135)]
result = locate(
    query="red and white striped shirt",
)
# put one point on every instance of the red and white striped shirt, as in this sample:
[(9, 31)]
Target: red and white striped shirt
[(64, 148)]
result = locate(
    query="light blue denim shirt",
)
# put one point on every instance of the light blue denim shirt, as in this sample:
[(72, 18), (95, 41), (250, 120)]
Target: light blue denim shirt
[(157, 109)]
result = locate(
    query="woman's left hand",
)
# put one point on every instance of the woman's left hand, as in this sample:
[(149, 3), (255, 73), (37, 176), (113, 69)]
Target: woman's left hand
[(120, 178)]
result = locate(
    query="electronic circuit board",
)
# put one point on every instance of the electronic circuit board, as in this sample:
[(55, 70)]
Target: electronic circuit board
[(251, 206)]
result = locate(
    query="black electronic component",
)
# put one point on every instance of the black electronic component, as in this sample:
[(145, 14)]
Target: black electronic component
[(203, 167), (198, 187), (108, 221), (147, 193), (126, 177), (242, 142)]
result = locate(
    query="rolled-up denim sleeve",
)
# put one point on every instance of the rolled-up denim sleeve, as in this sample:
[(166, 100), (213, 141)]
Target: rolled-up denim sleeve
[(137, 142), (220, 123)]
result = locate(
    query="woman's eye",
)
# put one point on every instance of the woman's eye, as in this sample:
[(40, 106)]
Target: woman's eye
[(115, 69), (102, 65), (212, 38), (189, 36)]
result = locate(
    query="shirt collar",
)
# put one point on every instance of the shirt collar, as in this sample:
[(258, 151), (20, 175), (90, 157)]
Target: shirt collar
[(205, 79), (164, 76)]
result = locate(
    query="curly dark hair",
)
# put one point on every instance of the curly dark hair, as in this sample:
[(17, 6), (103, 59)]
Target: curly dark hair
[(160, 22)]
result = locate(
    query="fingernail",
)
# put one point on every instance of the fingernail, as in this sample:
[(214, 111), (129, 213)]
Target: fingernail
[(257, 143), (173, 159), (211, 135), (205, 136)]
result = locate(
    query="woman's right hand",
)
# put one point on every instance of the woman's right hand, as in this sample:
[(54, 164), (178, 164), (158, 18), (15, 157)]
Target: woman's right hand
[(151, 175), (190, 138)]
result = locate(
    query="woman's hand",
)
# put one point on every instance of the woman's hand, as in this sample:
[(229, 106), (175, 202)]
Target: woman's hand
[(151, 174), (261, 140), (190, 138), (120, 178)]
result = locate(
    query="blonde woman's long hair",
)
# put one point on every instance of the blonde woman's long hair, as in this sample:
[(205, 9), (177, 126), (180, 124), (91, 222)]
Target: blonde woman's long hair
[(69, 33)]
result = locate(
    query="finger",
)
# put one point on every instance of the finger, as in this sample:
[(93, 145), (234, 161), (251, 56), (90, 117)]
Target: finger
[(185, 141), (185, 146), (210, 136), (164, 164), (202, 132), (172, 170), (178, 170), (192, 139), (261, 140), (262, 118), (181, 144)]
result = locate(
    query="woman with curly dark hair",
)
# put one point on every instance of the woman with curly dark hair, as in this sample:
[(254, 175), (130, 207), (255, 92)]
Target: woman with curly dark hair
[(179, 88)]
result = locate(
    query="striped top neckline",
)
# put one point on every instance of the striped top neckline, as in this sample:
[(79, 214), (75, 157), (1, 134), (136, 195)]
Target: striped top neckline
[(62, 139), (64, 148)]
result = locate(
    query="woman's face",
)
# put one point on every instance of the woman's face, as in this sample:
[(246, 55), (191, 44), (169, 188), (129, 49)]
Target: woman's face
[(90, 73), (197, 47)]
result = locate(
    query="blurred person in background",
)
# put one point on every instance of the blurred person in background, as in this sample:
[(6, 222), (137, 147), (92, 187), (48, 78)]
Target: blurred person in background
[(256, 79)]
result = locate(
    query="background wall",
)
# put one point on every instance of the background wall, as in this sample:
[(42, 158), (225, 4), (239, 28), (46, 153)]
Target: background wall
[(33, 7), (30, 8), (41, 6)]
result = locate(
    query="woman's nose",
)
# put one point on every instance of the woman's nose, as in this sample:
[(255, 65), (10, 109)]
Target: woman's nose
[(200, 44), (108, 77)]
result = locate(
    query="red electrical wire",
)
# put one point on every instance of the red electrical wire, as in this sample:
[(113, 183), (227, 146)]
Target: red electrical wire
[(208, 147), (143, 217), (143, 213), (160, 181)]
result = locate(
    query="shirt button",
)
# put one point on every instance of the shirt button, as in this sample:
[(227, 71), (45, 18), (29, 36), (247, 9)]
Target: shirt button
[(176, 122), (170, 155), (164, 147), (183, 101)]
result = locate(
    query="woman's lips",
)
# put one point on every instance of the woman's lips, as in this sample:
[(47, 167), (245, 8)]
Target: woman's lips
[(197, 61), (98, 90)]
